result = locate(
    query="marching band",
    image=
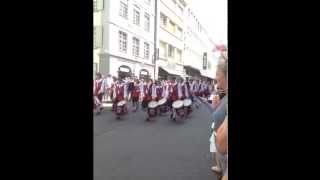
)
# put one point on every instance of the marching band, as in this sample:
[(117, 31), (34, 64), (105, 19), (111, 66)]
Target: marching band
[(156, 97)]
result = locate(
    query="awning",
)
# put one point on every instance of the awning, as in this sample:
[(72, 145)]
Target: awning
[(170, 71), (207, 74), (192, 68)]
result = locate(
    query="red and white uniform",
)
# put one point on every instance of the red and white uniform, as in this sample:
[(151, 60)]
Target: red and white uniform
[(147, 93), (119, 93), (181, 90), (98, 92), (99, 87), (173, 92), (135, 93), (159, 92), (187, 91)]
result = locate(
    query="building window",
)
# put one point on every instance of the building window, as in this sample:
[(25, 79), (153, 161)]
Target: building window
[(146, 50), (122, 41), (135, 47), (97, 5), (95, 68), (163, 49), (146, 22), (171, 51), (180, 9), (147, 1), (136, 17), (97, 37), (163, 20), (172, 27), (180, 32), (124, 9), (179, 55)]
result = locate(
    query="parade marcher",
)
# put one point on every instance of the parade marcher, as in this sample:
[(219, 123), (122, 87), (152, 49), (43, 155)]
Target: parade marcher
[(159, 91), (99, 92), (146, 94), (135, 94), (152, 109), (109, 82), (119, 94), (188, 98), (175, 94), (195, 92), (162, 95)]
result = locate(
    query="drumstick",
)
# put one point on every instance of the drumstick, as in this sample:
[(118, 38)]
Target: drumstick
[(208, 106)]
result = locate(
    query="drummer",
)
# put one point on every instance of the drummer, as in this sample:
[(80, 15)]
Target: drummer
[(173, 96), (135, 95), (146, 98), (99, 92), (119, 93), (159, 91)]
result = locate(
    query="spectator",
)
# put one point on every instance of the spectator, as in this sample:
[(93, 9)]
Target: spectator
[(222, 147), (220, 110)]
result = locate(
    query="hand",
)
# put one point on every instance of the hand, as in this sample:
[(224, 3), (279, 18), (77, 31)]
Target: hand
[(215, 100)]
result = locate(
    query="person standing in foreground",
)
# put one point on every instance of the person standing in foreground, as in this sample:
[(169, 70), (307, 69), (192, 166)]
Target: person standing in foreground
[(219, 104), (222, 147)]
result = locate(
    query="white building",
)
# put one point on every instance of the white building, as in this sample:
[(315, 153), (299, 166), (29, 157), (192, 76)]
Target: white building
[(98, 7), (198, 57), (124, 40), (170, 38), (128, 38)]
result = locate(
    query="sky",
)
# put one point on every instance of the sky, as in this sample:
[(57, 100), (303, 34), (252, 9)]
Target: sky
[(213, 15)]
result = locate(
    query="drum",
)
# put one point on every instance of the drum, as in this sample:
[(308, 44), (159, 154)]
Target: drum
[(152, 104), (120, 107), (121, 103), (162, 105), (178, 106), (152, 108), (162, 101), (187, 102), (187, 106)]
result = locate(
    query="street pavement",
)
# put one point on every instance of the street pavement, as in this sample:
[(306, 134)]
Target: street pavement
[(133, 149)]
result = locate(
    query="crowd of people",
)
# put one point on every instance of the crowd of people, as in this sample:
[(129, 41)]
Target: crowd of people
[(140, 92), (162, 96)]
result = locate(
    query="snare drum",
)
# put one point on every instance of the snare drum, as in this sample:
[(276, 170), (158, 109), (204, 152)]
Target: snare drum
[(152, 108), (187, 105), (178, 106), (120, 107), (162, 101), (162, 105), (121, 103), (187, 102)]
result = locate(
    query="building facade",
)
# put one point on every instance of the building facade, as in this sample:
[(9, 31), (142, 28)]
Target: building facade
[(128, 33), (124, 39), (170, 38), (199, 60), (98, 28)]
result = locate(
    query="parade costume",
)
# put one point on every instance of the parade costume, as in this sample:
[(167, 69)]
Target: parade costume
[(119, 103), (135, 94), (152, 104), (98, 94)]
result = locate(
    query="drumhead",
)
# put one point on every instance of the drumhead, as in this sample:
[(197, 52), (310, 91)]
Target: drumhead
[(121, 103), (187, 102), (177, 104), (162, 101), (152, 104)]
